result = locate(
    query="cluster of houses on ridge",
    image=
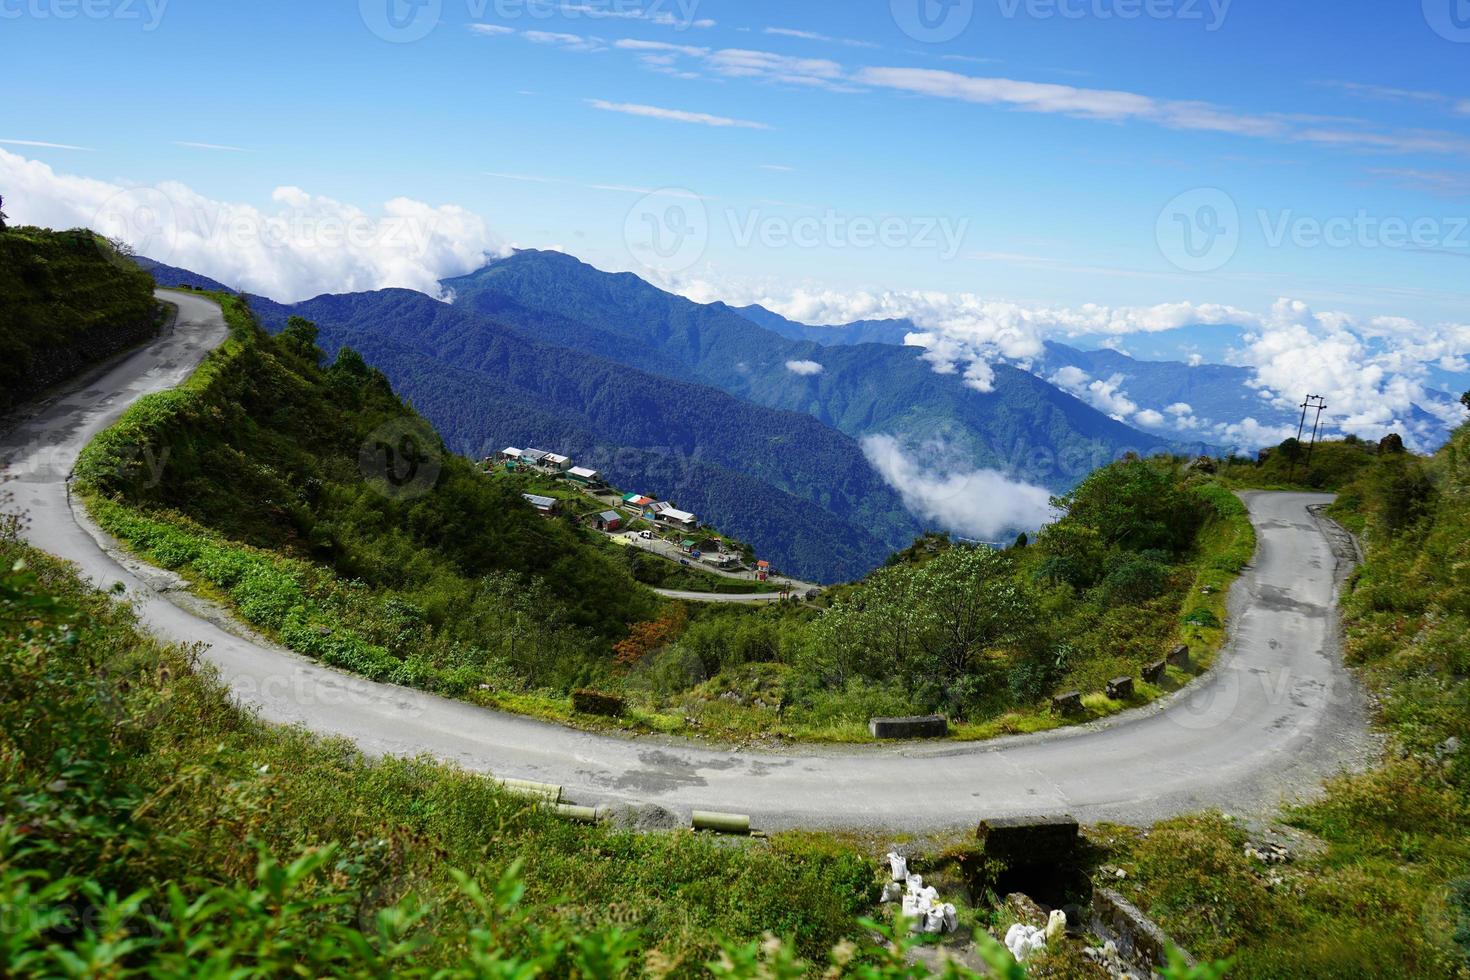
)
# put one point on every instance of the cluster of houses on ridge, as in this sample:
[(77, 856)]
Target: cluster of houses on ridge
[(554, 463), (658, 511)]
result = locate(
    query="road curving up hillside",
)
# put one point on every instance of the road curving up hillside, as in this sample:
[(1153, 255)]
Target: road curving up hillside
[(1277, 714)]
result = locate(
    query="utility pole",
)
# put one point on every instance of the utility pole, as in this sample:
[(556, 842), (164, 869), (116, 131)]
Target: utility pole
[(1321, 407), (1320, 404), (1291, 470)]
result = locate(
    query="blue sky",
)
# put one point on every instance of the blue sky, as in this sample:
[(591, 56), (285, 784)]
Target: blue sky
[(831, 159), (1054, 207)]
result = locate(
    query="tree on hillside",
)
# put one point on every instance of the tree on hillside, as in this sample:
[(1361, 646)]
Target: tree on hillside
[(975, 603), (1464, 399), (1134, 505), (300, 335), (2, 214)]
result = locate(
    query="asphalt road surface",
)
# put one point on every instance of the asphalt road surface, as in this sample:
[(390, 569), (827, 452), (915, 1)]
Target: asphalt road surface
[(1276, 715), (755, 598)]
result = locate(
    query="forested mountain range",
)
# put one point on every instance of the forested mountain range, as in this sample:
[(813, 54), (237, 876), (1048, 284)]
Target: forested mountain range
[(1218, 397), (803, 494), (1022, 426)]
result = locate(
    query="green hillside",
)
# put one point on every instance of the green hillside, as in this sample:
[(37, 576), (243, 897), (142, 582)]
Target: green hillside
[(1141, 562), (67, 300), (331, 515)]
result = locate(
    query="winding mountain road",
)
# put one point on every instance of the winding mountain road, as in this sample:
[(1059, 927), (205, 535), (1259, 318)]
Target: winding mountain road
[(1276, 715)]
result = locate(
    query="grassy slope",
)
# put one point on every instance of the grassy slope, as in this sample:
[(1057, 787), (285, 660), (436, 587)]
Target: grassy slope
[(148, 828), (126, 773), (68, 300), (1334, 465), (1390, 893)]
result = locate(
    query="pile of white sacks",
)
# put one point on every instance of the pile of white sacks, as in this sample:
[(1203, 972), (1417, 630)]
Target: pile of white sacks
[(919, 903), (1023, 940)]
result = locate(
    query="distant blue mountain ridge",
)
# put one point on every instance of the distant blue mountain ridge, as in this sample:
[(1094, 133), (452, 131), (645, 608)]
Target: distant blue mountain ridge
[(1157, 375)]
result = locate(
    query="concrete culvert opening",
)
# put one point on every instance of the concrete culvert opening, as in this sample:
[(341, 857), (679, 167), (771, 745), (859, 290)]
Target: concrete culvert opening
[(1042, 857), (1049, 886)]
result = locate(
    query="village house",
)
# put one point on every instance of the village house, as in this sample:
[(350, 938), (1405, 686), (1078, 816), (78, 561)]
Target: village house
[(547, 506), (609, 520), (584, 477), (638, 501), (667, 513), (556, 463)]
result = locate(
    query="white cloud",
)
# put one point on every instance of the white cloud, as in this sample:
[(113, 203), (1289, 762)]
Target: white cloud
[(1371, 388), (491, 30), (1437, 182), (1248, 435), (814, 36), (804, 368), (763, 66), (1149, 418), (210, 146), (41, 144), (766, 66), (981, 504), (299, 246), (673, 115), (571, 42), (1107, 396), (1112, 105), (623, 11), (630, 44)]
